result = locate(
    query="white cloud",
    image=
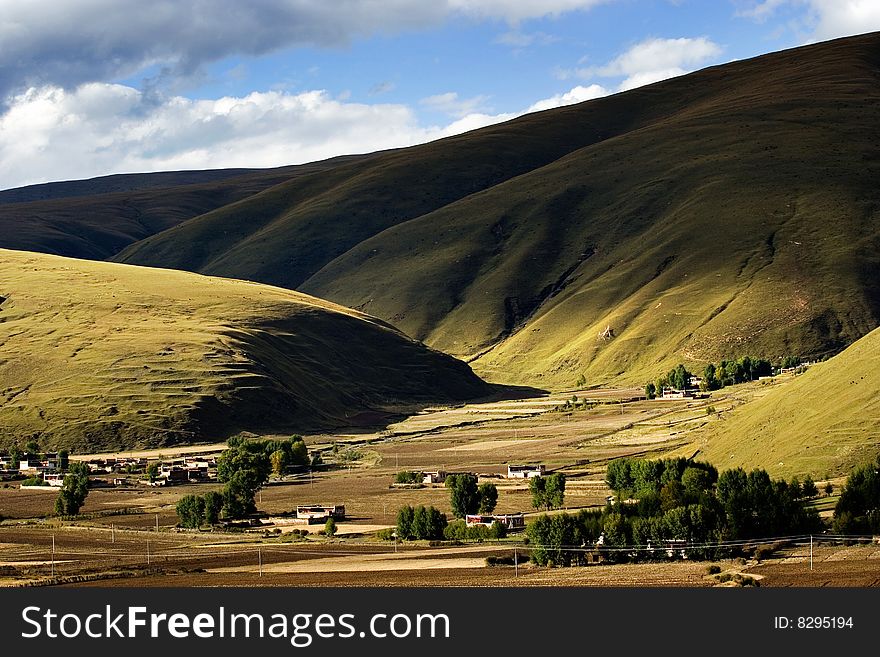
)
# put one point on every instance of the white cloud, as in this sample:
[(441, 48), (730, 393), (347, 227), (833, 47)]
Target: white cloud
[(53, 134), (577, 95), (50, 133), (650, 61), (822, 19), (657, 54), (837, 18), (450, 103), (77, 41)]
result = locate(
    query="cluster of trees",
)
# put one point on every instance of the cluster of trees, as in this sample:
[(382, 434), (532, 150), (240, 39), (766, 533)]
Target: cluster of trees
[(676, 500), (548, 492), (243, 467), (408, 477), (731, 372), (74, 490), (458, 530), (193, 511), (426, 523), (858, 509), (467, 498), (726, 373)]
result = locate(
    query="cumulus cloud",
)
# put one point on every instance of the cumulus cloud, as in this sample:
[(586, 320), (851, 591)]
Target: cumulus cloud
[(577, 95), (51, 133), (77, 41), (650, 61), (822, 19)]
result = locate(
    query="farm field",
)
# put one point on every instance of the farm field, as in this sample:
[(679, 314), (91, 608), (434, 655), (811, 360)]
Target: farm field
[(121, 526)]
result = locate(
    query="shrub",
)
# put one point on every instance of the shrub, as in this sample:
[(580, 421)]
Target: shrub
[(330, 527), (763, 551), (713, 569)]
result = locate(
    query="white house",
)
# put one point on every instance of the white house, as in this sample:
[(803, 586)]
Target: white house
[(525, 471)]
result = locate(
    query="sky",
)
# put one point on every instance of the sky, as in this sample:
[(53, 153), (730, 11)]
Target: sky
[(95, 87)]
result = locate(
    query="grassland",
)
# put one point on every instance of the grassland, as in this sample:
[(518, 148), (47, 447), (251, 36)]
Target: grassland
[(826, 420), (99, 355)]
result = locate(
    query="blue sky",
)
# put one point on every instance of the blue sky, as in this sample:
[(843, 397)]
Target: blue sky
[(109, 86)]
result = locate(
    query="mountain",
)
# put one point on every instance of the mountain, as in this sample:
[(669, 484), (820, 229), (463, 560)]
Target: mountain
[(97, 356), (728, 212), (97, 218), (825, 421)]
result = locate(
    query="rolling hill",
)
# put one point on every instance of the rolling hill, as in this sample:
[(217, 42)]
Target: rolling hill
[(96, 218), (97, 355), (726, 212), (825, 421)]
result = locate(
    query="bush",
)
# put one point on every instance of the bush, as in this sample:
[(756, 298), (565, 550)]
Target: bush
[(330, 527), (713, 569), (507, 560), (385, 534), (34, 481), (764, 551)]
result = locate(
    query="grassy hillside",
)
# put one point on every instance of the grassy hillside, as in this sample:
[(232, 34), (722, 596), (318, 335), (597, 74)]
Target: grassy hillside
[(730, 211), (825, 421), (98, 356), (97, 218)]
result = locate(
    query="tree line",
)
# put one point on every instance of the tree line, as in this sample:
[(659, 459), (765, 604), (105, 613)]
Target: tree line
[(659, 501), (715, 377)]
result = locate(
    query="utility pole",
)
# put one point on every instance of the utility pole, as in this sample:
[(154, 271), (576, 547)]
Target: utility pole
[(53, 555), (157, 522), (811, 552), (148, 552), (112, 533), (515, 563), (260, 557)]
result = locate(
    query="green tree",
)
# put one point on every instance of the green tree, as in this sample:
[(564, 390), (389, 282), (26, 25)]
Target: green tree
[(618, 476), (213, 505), (581, 381), (554, 491), (408, 477), (191, 511), (650, 391), (73, 491), (405, 517), (464, 496), (63, 459), (538, 490), (809, 487), (278, 461), (153, 471), (829, 488), (858, 509), (488, 494), (330, 527), (244, 470)]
